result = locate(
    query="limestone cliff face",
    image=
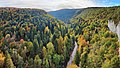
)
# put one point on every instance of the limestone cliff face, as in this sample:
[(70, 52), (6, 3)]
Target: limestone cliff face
[(114, 28), (118, 31), (111, 26)]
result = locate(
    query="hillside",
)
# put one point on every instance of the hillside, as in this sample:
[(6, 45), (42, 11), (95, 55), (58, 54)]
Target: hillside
[(98, 46), (65, 14), (31, 38), (99, 14)]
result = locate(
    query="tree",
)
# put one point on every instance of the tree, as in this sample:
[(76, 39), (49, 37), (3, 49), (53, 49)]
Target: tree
[(20, 62), (36, 46), (77, 58), (30, 46), (72, 66), (7, 36), (37, 62), (60, 45), (65, 53), (2, 58), (22, 31), (115, 61), (56, 59), (44, 52), (8, 61), (46, 63), (50, 48), (46, 29), (23, 52), (31, 62), (107, 64), (81, 41), (83, 59)]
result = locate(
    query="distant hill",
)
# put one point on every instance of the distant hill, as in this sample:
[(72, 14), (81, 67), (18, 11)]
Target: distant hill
[(65, 14), (98, 14)]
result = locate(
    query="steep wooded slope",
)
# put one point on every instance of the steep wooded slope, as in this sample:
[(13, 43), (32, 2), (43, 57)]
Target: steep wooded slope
[(31, 38), (98, 46), (99, 14)]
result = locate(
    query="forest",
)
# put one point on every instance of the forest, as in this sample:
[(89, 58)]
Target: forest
[(32, 38)]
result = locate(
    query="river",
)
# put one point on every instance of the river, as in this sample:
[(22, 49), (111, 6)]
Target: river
[(73, 54)]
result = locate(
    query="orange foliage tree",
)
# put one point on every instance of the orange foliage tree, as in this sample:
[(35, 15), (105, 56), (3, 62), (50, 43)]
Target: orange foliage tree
[(2, 57), (72, 66)]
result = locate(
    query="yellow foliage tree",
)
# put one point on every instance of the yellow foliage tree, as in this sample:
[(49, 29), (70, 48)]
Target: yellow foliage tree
[(2, 57), (44, 51), (60, 45), (50, 48), (46, 29), (81, 41), (72, 66)]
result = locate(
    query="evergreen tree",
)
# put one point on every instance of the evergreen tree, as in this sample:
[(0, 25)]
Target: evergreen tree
[(37, 62), (8, 61)]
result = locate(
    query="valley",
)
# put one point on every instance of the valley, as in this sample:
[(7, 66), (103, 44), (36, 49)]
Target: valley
[(65, 14), (72, 38)]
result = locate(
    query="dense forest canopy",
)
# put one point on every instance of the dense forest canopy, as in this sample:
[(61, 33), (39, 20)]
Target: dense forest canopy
[(98, 46), (31, 38), (99, 14)]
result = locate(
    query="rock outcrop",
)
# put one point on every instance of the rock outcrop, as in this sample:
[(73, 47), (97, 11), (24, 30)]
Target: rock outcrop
[(118, 31), (111, 26), (114, 28)]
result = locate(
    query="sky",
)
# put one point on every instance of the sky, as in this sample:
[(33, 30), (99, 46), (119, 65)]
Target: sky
[(52, 5)]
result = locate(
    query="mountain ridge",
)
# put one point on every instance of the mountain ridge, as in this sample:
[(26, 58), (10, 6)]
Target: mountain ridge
[(65, 14)]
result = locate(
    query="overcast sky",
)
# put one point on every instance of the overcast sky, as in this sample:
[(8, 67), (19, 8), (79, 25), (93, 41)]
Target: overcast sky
[(51, 5)]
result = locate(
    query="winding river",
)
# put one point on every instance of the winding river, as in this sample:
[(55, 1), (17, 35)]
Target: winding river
[(73, 54)]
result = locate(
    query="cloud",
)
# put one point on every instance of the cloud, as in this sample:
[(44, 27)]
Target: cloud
[(48, 5)]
